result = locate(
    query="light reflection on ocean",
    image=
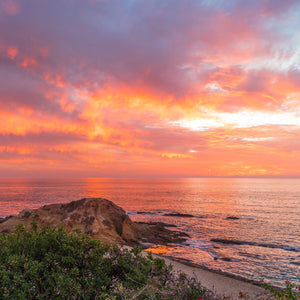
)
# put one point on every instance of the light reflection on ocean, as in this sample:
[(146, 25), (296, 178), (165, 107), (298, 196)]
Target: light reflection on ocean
[(260, 212)]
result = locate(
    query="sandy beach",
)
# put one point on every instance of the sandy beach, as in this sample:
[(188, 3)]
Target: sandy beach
[(221, 286)]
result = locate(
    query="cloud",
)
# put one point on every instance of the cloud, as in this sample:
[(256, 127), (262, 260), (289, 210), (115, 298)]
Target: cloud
[(124, 79), (9, 7)]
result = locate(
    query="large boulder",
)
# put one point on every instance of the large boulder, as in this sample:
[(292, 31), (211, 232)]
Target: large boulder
[(100, 218)]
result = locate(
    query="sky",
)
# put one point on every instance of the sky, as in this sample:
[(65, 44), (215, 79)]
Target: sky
[(149, 88)]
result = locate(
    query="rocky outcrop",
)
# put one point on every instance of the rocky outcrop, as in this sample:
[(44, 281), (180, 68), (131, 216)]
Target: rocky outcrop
[(98, 217)]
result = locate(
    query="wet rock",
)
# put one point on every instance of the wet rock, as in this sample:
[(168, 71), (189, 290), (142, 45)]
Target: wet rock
[(229, 242), (178, 215), (232, 218), (3, 219), (158, 223)]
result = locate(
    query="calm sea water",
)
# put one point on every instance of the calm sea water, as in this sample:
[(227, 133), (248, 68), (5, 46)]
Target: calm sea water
[(245, 227)]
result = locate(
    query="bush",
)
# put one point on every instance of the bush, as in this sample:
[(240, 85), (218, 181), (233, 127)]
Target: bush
[(291, 292), (52, 264)]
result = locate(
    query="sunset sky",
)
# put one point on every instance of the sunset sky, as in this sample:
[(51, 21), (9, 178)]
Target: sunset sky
[(138, 88)]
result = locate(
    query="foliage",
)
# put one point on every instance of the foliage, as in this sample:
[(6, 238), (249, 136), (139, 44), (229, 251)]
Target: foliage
[(289, 293), (52, 264)]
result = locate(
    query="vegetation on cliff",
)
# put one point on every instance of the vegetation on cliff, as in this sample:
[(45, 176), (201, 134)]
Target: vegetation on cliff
[(49, 263)]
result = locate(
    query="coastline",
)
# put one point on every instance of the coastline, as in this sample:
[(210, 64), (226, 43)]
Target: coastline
[(219, 285), (110, 223)]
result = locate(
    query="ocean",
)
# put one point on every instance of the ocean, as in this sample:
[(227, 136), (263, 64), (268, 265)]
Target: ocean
[(248, 227)]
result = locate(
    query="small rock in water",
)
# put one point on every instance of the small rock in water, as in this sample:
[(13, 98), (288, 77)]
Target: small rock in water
[(232, 218), (178, 215)]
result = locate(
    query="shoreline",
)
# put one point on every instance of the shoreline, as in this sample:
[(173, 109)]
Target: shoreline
[(220, 285), (227, 274)]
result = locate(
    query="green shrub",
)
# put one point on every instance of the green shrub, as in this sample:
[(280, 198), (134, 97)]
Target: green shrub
[(291, 292), (52, 264)]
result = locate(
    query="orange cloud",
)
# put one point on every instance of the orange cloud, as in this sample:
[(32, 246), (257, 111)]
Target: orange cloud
[(12, 52)]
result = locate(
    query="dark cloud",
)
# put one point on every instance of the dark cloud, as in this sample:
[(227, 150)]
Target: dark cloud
[(133, 42)]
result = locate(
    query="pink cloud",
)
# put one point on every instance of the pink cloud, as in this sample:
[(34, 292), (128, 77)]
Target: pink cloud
[(10, 7)]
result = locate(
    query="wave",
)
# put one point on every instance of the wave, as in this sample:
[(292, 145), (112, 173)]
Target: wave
[(237, 242), (250, 255), (200, 244), (207, 247), (216, 256)]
